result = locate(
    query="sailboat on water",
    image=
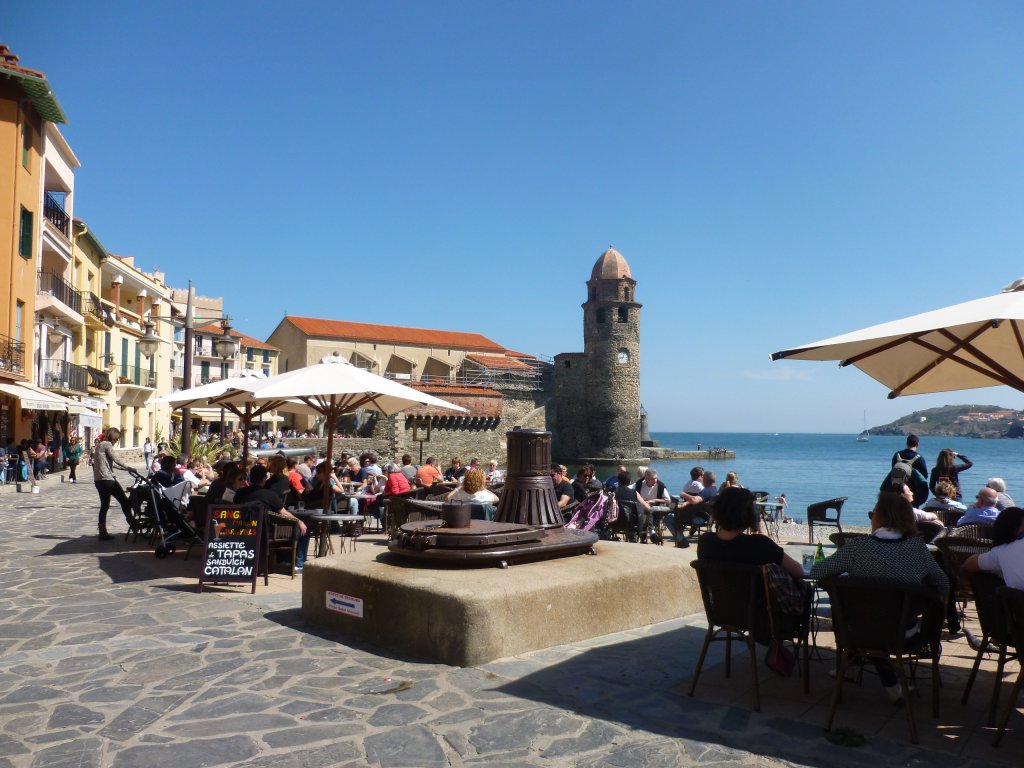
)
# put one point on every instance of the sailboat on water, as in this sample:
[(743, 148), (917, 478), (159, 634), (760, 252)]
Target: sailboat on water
[(863, 436)]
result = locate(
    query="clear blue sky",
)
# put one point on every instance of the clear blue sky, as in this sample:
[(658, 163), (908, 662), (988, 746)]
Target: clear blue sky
[(775, 173)]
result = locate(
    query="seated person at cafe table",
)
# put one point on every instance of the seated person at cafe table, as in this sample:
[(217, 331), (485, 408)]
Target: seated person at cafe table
[(624, 492), (892, 552), (429, 473), (396, 480), (1003, 499), (455, 471), (709, 490), (272, 502), (983, 512), (314, 497), (735, 513), (1007, 554), (654, 492), (473, 489), (563, 488), (168, 474), (944, 499)]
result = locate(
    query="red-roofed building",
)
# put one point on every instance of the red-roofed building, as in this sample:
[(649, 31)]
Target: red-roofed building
[(457, 364)]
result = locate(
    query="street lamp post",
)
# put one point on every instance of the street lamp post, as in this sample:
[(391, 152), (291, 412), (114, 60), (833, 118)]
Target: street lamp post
[(225, 345)]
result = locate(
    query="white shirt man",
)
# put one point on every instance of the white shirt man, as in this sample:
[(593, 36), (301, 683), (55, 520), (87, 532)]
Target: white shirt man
[(651, 488)]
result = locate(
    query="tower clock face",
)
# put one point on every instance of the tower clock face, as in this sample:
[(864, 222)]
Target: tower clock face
[(623, 356)]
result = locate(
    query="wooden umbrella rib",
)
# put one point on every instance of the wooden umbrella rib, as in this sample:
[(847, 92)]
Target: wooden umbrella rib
[(996, 375), (1014, 381), (947, 354), (1017, 336), (881, 348)]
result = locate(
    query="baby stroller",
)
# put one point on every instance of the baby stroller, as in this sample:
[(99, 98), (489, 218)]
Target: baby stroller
[(158, 513), (598, 512)]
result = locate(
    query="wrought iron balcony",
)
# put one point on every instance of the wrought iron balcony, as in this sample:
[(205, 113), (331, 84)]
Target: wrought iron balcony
[(52, 284), (12, 354), (99, 380), (65, 376), (53, 210), (138, 377)]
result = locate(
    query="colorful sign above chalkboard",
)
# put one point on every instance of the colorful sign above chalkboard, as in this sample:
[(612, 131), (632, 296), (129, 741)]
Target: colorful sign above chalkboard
[(234, 535)]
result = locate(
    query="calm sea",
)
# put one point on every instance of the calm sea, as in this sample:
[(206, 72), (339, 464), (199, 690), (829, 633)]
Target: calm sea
[(810, 468)]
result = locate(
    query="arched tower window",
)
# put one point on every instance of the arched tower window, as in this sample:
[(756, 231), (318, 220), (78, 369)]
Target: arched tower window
[(593, 293), (600, 314), (623, 315), (628, 292), (623, 356)]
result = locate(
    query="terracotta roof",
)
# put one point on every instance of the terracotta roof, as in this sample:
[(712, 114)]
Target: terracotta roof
[(246, 340), (444, 392), (523, 355), (496, 361), (393, 334), (610, 266), (34, 84)]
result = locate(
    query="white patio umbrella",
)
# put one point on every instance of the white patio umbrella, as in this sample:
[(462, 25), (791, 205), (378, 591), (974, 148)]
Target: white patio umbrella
[(976, 344), (334, 387), (244, 407)]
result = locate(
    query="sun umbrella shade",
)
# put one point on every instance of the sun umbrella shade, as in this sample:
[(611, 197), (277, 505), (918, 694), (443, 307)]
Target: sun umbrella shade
[(201, 395), (336, 385), (976, 344)]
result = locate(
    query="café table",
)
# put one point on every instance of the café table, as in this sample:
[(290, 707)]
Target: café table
[(660, 508), (322, 522), (769, 512)]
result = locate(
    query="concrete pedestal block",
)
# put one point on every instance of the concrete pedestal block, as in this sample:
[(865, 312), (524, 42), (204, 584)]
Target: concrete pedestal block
[(470, 616)]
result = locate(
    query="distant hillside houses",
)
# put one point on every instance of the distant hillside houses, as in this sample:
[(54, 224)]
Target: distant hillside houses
[(978, 416)]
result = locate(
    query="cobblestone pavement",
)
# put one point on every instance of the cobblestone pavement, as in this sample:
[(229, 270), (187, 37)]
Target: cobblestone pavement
[(111, 658)]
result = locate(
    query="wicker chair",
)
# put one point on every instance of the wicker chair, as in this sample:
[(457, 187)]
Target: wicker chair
[(1013, 610), (738, 603), (995, 635), (282, 535), (870, 617), (954, 551), (976, 532), (948, 516)]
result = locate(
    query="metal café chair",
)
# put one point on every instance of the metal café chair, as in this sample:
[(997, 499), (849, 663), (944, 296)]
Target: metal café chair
[(819, 514)]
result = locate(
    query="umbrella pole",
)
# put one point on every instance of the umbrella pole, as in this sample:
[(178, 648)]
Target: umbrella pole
[(330, 454), (246, 421)]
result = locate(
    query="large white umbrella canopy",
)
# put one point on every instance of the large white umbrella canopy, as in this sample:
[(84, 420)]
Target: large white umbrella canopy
[(201, 395), (240, 402), (976, 344), (334, 387)]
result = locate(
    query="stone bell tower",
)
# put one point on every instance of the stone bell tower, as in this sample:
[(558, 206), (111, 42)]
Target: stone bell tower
[(597, 393)]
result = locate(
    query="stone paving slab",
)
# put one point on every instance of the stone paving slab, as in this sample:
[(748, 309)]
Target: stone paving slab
[(111, 658)]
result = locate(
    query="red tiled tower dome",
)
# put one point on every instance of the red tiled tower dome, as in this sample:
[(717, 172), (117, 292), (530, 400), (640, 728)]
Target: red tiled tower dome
[(610, 266)]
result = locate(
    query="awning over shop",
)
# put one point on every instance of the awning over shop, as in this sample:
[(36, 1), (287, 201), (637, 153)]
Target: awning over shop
[(35, 399), (90, 420)]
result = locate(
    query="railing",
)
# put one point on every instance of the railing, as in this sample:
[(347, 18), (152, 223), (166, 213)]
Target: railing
[(12, 354), (139, 377), (491, 379), (53, 284), (54, 212), (209, 379), (99, 379), (60, 374)]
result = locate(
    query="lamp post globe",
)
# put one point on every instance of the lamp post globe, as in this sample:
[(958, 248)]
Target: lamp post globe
[(150, 342)]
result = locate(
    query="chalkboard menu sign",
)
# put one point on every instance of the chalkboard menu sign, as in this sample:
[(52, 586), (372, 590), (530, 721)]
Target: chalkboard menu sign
[(234, 535)]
